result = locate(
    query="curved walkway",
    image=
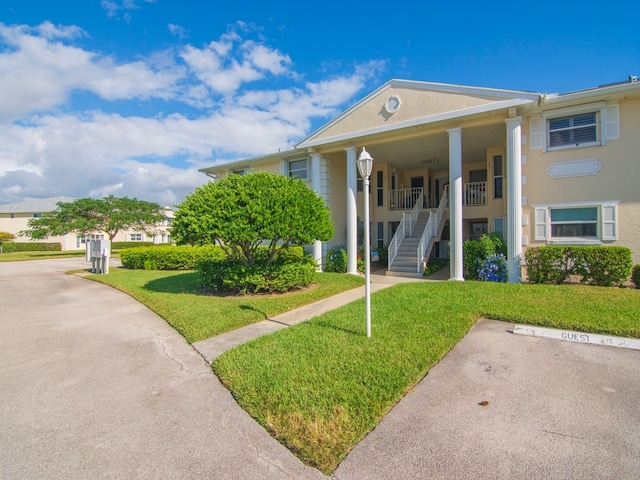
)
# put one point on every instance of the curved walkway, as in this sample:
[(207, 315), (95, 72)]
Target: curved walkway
[(94, 385)]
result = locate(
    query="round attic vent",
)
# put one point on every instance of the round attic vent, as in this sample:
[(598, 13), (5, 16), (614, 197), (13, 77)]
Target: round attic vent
[(392, 104)]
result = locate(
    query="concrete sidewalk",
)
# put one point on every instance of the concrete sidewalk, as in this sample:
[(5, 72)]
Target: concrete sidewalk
[(210, 348)]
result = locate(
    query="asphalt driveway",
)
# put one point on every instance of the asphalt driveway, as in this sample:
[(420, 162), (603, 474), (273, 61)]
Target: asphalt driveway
[(94, 385)]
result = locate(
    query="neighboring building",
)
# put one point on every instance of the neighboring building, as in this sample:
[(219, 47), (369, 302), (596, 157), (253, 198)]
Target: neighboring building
[(14, 218), (539, 168)]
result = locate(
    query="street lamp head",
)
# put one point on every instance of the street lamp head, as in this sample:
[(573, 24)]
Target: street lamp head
[(365, 164)]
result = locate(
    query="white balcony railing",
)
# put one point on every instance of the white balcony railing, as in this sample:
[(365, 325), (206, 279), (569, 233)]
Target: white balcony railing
[(404, 198), (473, 194)]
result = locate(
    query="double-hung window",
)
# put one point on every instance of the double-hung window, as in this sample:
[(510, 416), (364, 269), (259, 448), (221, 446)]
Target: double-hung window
[(298, 169), (575, 223), (574, 130), (575, 127)]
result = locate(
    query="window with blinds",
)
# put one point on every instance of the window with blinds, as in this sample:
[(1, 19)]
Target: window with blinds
[(573, 130)]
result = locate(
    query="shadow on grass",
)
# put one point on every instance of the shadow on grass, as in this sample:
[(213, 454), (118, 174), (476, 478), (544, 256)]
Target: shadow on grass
[(181, 282), (254, 309)]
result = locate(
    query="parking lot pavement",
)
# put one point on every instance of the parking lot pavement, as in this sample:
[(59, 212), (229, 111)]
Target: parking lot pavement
[(554, 410)]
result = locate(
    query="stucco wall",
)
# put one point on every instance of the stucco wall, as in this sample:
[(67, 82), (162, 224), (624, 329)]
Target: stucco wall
[(616, 181)]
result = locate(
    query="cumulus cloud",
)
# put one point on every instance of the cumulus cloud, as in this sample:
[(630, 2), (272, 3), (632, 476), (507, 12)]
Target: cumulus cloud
[(209, 107)]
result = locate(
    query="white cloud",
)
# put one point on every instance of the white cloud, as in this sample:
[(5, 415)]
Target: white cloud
[(216, 66), (41, 73), (49, 146), (177, 31)]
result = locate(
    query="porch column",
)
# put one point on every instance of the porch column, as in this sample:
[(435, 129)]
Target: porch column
[(352, 213), (317, 187), (455, 203), (514, 198)]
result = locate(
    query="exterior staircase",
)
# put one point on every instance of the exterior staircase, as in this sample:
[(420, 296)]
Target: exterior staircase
[(406, 262)]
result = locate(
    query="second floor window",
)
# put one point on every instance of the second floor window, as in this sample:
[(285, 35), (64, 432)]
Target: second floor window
[(574, 130)]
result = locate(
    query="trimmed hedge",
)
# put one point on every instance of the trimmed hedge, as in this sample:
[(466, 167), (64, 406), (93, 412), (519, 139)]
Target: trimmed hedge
[(292, 269), (123, 245), (635, 276), (169, 257), (605, 266), (31, 247)]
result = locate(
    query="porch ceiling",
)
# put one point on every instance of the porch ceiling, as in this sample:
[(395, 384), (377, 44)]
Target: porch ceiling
[(417, 152)]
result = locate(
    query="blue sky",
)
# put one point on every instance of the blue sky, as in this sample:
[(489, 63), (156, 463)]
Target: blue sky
[(132, 97)]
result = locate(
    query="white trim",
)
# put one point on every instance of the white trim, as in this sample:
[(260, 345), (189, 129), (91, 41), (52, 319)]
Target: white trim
[(574, 168), (612, 122), (607, 227), (440, 117)]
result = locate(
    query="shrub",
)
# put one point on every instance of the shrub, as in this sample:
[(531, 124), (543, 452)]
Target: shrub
[(549, 264), (493, 268), (596, 265), (475, 251), (292, 270), (31, 247), (123, 245), (169, 257), (602, 266), (635, 276), (337, 260)]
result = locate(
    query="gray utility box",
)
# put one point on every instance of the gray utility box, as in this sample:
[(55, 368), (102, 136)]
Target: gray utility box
[(98, 253)]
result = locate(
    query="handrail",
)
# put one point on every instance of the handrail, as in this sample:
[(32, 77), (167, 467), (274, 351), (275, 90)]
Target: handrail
[(424, 241), (415, 213), (430, 230), (394, 245), (403, 198), (441, 206)]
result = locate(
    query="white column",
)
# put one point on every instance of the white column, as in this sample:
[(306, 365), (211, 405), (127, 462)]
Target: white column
[(455, 203), (352, 213), (316, 184), (514, 198)]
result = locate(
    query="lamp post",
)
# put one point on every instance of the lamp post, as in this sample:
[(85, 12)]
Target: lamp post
[(365, 165)]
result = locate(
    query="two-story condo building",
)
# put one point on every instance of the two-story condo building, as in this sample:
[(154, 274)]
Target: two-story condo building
[(452, 162)]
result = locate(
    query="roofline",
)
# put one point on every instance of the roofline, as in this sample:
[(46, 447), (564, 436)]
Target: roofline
[(441, 117), (441, 87), (252, 161), (614, 88)]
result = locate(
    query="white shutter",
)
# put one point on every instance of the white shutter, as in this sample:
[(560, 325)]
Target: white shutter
[(608, 224), (541, 224), (535, 127), (612, 122)]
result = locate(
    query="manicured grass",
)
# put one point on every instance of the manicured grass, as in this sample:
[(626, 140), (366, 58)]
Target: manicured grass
[(22, 256), (176, 298), (319, 387)]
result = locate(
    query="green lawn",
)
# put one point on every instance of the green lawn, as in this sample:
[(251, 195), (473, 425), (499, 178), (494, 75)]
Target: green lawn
[(175, 297), (319, 387)]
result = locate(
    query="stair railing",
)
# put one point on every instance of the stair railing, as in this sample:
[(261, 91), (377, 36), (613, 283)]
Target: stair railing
[(427, 234), (431, 230), (394, 245), (415, 212)]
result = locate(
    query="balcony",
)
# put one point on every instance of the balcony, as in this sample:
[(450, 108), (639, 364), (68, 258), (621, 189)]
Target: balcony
[(473, 194), (405, 199)]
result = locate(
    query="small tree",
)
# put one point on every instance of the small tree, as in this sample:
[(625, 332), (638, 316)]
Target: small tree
[(89, 215), (5, 237), (243, 212)]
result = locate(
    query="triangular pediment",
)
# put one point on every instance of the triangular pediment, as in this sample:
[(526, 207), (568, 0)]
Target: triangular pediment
[(401, 103)]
